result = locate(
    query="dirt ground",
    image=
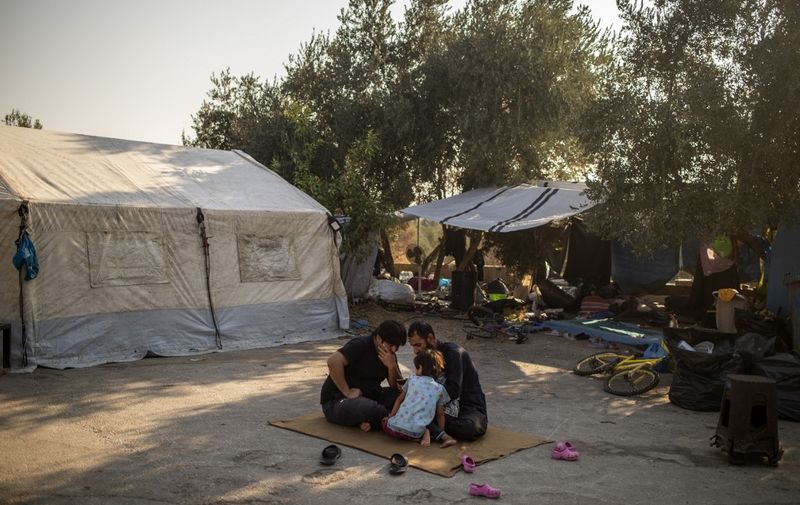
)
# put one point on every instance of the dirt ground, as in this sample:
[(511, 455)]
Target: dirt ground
[(195, 431)]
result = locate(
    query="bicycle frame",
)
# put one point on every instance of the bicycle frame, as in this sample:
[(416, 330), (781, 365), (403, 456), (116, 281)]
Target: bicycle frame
[(629, 363), (626, 374)]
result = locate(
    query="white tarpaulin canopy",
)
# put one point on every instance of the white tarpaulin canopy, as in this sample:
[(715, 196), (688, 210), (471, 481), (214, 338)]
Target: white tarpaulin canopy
[(122, 267), (506, 209)]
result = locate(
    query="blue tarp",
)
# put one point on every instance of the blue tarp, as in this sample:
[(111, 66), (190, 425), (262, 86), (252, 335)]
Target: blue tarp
[(784, 265), (608, 330)]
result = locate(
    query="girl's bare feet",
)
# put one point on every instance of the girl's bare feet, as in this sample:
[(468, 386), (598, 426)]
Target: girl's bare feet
[(365, 426), (447, 441), (426, 439)]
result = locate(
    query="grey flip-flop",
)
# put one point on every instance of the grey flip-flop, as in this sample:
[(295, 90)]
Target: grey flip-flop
[(330, 454), (398, 464)]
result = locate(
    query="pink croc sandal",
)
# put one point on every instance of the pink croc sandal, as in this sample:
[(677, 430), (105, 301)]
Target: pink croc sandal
[(484, 490), (467, 463), (565, 451)]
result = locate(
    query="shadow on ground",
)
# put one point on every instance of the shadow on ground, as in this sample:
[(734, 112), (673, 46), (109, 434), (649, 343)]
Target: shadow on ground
[(195, 431)]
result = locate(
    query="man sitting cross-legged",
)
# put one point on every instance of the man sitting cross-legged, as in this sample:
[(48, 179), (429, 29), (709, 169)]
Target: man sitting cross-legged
[(352, 394), (461, 382)]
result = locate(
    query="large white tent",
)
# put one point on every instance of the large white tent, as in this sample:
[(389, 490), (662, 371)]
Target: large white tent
[(123, 270)]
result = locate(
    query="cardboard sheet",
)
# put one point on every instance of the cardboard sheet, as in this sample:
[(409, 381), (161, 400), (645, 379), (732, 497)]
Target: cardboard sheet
[(445, 462)]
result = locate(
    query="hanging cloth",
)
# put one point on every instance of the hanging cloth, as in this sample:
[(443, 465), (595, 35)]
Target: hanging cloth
[(26, 256), (26, 252)]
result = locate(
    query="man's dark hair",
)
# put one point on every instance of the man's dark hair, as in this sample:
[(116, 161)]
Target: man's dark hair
[(420, 328), (430, 361), (391, 332)]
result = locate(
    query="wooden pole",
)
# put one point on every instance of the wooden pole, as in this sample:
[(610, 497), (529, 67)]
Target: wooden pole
[(475, 239), (440, 259)]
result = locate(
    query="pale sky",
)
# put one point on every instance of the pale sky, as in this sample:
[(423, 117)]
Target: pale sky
[(138, 69)]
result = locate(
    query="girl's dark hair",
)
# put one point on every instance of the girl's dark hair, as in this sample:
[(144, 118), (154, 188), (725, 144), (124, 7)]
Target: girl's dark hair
[(430, 361), (391, 332)]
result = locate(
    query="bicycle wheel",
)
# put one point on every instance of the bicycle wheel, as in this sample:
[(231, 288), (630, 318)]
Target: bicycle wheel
[(481, 315), (631, 382), (596, 363)]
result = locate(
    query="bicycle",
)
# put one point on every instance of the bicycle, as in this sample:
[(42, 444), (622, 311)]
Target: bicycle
[(628, 374), (518, 332)]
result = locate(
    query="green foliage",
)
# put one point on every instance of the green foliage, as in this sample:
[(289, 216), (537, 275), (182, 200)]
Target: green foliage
[(253, 116), (522, 71), (19, 118), (346, 81), (353, 194), (699, 126), (525, 252), (380, 113), (493, 94)]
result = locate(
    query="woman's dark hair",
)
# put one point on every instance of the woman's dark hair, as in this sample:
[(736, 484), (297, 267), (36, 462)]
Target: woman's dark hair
[(431, 362), (391, 332)]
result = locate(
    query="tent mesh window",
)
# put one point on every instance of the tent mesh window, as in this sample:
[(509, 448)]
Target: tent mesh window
[(126, 258), (265, 259)]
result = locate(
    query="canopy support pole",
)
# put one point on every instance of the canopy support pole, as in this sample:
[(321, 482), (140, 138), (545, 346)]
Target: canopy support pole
[(440, 259), (419, 270)]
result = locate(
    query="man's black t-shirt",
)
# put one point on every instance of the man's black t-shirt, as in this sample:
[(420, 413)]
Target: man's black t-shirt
[(364, 371), (461, 378)]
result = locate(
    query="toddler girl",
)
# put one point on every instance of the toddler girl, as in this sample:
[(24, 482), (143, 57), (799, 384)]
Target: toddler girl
[(421, 400)]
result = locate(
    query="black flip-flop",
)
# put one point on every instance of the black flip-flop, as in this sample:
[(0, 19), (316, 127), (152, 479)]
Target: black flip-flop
[(330, 454), (398, 464)]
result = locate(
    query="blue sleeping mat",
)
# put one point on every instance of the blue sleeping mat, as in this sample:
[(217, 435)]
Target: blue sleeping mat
[(607, 329)]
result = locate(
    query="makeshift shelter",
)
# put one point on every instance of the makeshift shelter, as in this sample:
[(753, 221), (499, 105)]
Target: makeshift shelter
[(500, 210), (506, 209), (526, 206), (146, 248), (635, 273)]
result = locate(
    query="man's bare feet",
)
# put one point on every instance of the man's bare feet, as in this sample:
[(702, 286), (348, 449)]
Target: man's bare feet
[(426, 439), (447, 441), (365, 426)]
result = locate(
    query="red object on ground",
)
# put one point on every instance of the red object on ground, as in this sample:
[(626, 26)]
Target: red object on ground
[(427, 284)]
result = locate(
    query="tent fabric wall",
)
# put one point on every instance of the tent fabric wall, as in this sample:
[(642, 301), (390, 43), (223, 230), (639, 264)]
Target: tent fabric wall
[(641, 274), (588, 257), (784, 265), (122, 266)]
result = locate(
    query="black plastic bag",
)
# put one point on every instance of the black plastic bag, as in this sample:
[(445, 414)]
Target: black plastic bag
[(752, 322), (785, 370), (694, 391), (699, 378), (752, 347), (748, 321), (555, 297)]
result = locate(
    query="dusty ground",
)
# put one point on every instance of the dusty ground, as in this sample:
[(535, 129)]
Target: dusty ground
[(194, 431)]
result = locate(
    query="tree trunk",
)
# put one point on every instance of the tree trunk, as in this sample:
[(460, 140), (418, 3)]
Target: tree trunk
[(438, 272), (388, 258), (426, 263), (475, 239)]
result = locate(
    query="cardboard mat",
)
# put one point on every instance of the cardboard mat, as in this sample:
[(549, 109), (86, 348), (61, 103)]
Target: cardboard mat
[(445, 462)]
